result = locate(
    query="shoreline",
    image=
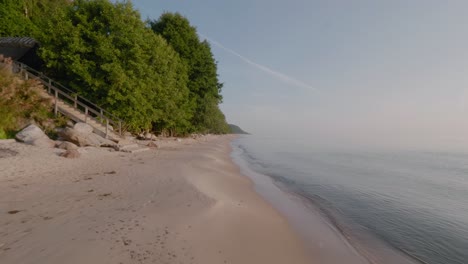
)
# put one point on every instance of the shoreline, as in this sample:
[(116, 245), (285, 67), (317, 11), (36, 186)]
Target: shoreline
[(183, 203), (311, 219), (324, 243)]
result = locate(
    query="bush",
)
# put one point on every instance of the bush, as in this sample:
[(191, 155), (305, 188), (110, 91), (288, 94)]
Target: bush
[(20, 103), (3, 134)]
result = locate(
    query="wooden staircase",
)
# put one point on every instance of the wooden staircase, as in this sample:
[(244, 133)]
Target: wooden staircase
[(73, 106), (74, 114)]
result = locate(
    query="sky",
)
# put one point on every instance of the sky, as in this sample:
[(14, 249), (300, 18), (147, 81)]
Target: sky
[(362, 73)]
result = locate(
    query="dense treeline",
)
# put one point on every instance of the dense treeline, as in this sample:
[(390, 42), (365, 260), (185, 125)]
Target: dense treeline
[(203, 83), (156, 75)]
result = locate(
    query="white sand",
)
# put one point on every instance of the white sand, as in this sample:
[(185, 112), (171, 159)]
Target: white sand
[(183, 203)]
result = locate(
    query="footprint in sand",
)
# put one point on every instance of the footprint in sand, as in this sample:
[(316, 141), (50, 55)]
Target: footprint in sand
[(102, 196)]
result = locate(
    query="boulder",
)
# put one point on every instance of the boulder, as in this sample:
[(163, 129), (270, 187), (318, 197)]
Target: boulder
[(67, 146), (152, 144), (83, 128), (102, 142), (85, 140), (141, 136), (33, 135), (71, 154), (146, 136), (30, 133), (44, 142), (149, 136), (78, 138)]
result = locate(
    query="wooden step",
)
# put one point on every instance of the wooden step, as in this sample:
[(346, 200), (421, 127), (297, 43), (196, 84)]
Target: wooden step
[(78, 116), (65, 108)]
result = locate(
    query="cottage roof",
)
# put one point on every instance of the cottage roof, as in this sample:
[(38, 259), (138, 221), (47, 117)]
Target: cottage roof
[(18, 42)]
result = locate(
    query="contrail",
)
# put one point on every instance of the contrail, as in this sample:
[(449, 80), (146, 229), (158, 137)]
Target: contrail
[(285, 78)]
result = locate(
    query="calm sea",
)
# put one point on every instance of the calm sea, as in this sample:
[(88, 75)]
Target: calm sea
[(414, 202)]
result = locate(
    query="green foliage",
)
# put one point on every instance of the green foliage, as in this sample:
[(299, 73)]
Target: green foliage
[(203, 81), (7, 134), (159, 77), (20, 103), (213, 119), (24, 17), (236, 129), (105, 52), (14, 21), (3, 134)]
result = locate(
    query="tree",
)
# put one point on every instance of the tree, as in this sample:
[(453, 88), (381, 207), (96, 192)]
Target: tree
[(14, 22), (105, 52), (23, 17), (205, 89)]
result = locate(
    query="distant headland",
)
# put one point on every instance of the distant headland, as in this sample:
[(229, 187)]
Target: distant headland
[(237, 130)]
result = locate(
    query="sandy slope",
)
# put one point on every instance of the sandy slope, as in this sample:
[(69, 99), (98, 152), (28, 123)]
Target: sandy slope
[(183, 203)]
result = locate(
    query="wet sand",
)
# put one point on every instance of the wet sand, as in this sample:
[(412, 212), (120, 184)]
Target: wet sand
[(328, 238), (185, 202), (323, 242)]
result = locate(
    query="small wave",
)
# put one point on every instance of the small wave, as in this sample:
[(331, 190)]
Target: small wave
[(410, 203)]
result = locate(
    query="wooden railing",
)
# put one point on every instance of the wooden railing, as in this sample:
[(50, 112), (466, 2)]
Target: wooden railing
[(71, 98)]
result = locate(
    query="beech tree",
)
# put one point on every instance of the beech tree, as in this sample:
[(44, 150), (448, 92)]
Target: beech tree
[(203, 83), (157, 76), (105, 52), (20, 18)]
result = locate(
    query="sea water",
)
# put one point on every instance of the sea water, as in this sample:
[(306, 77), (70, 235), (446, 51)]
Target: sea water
[(415, 202)]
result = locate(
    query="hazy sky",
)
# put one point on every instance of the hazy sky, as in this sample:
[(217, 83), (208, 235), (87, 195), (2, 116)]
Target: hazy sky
[(370, 73)]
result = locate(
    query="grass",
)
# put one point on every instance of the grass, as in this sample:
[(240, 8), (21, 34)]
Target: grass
[(21, 104), (7, 134)]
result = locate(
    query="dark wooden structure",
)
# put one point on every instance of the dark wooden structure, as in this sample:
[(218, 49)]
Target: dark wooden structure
[(22, 49)]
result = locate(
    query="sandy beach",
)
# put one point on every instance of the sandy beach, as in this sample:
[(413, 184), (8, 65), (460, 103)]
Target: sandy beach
[(185, 202)]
